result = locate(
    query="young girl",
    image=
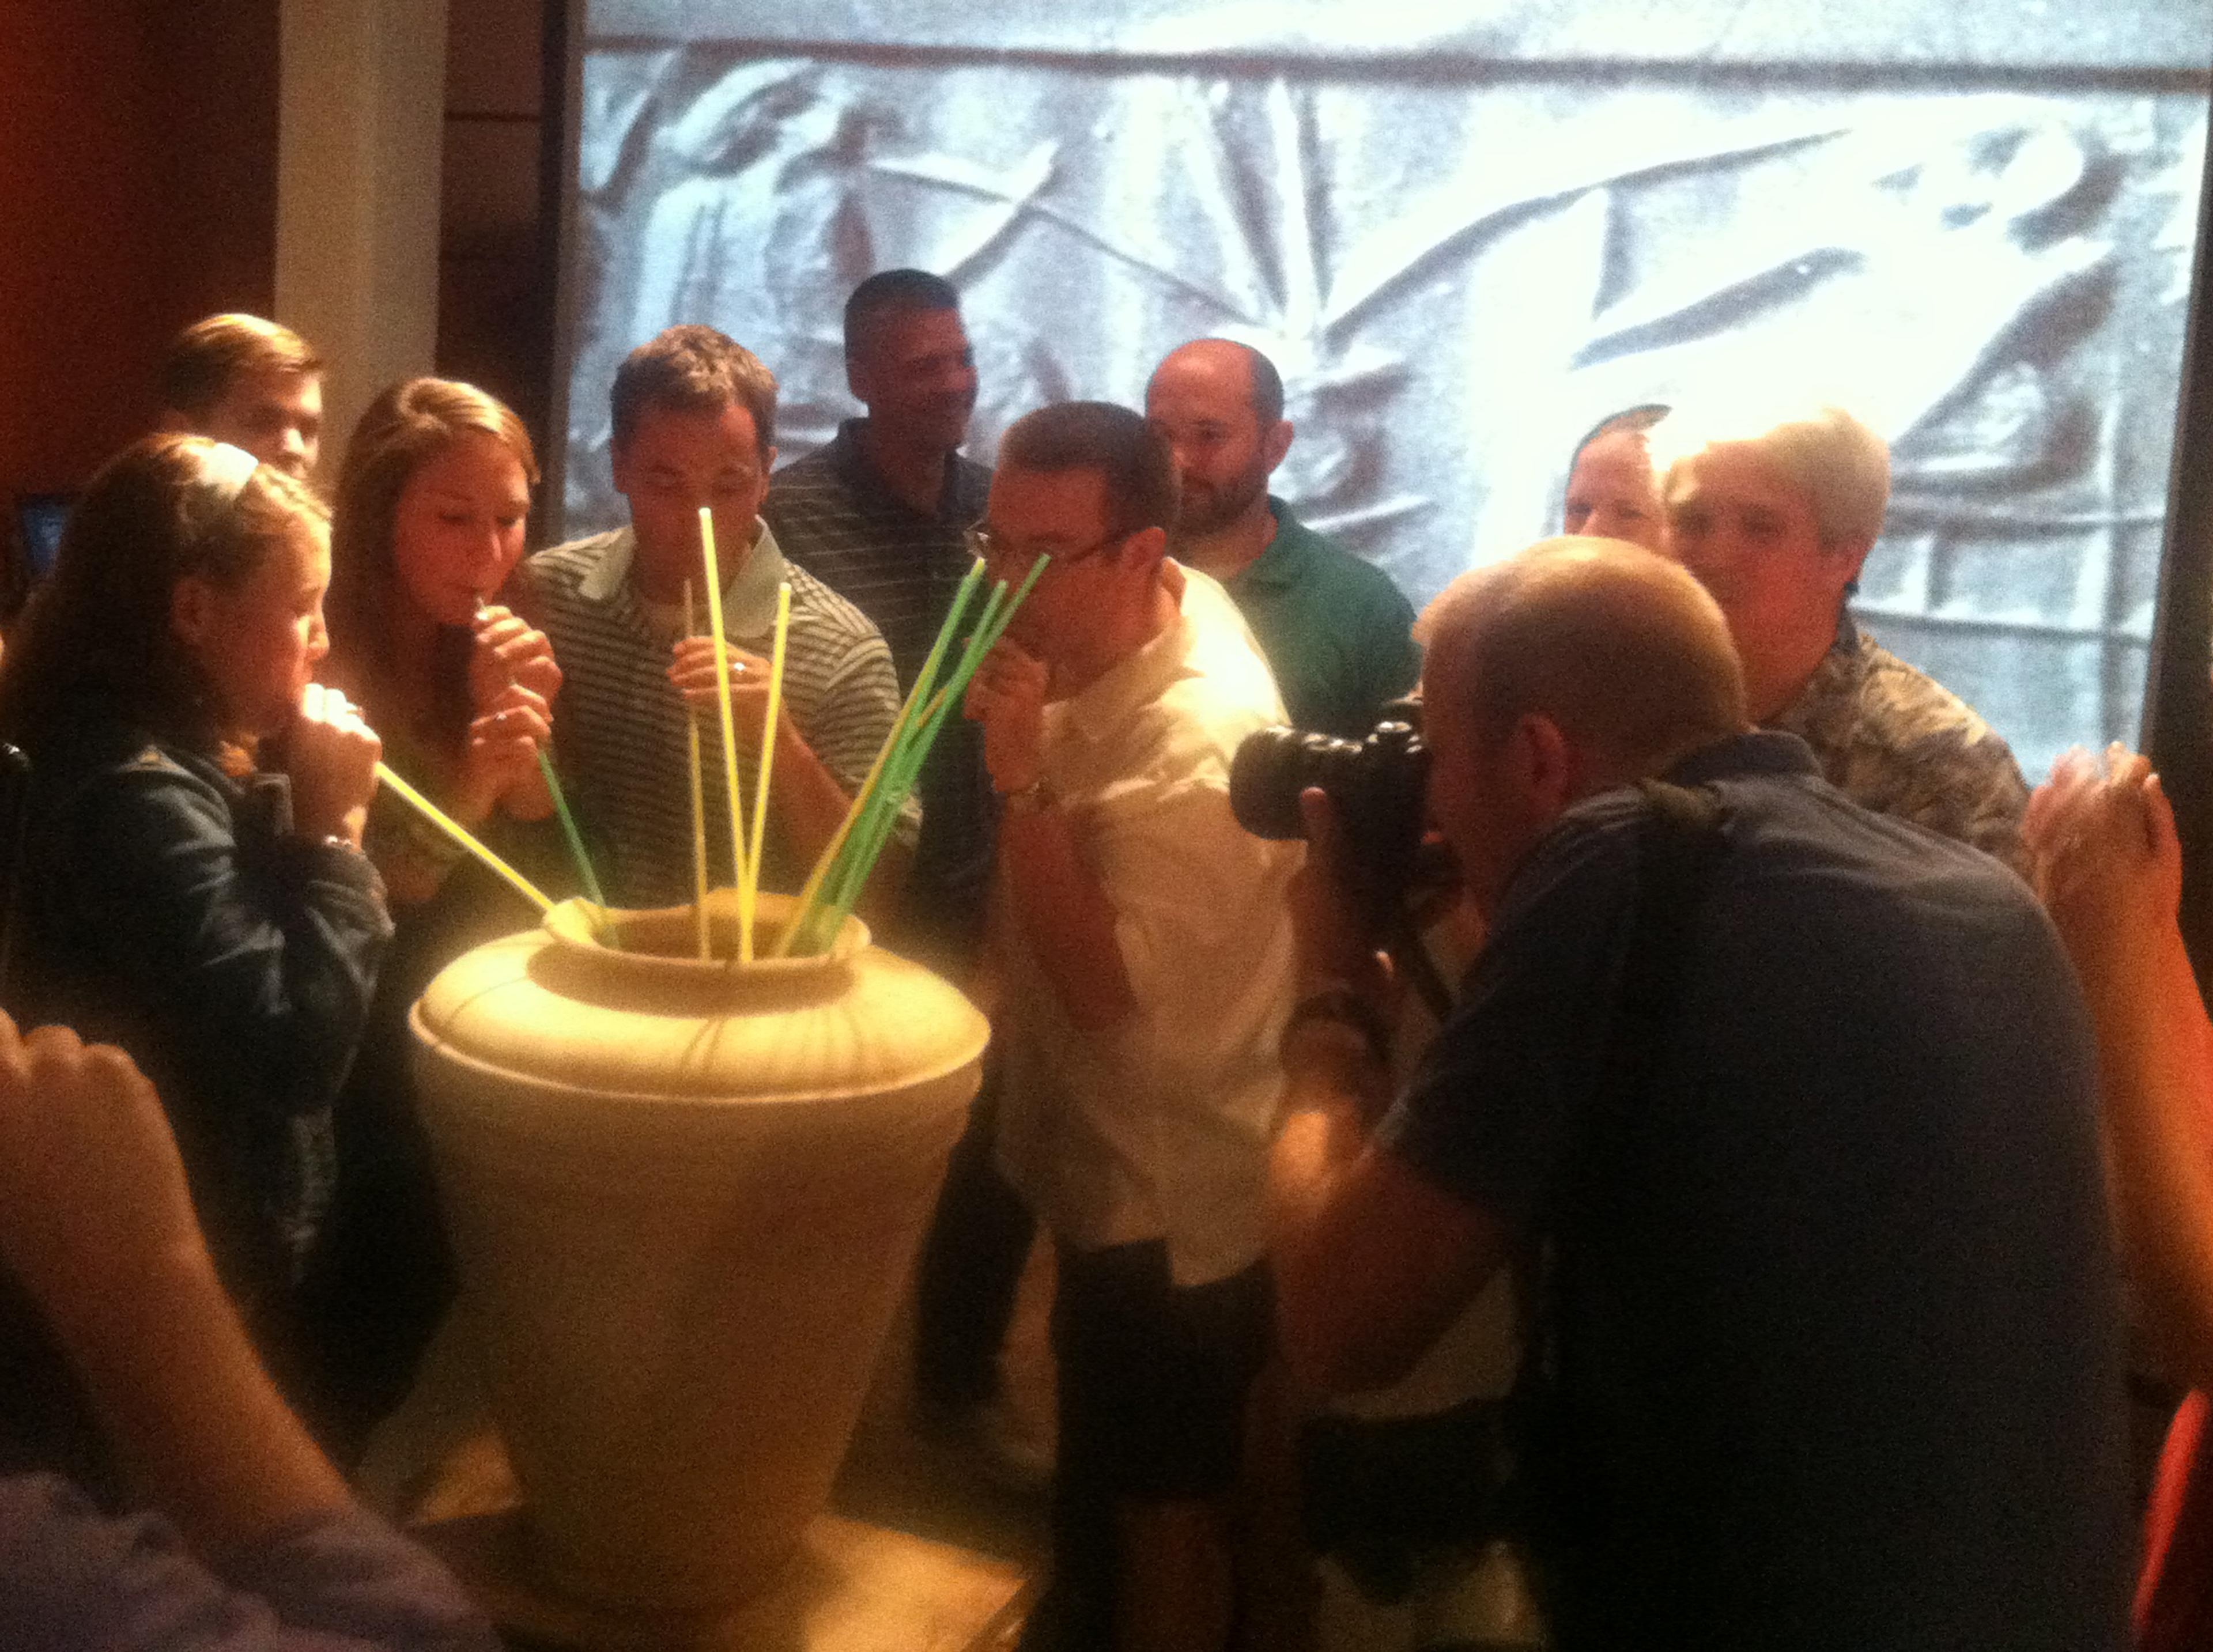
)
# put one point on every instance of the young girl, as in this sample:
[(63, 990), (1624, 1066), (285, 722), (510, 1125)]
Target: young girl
[(433, 499), (193, 886)]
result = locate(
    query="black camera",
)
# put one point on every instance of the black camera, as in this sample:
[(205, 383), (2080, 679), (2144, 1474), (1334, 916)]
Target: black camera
[(1379, 784)]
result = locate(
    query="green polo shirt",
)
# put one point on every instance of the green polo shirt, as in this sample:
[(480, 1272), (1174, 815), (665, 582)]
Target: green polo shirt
[(1338, 633)]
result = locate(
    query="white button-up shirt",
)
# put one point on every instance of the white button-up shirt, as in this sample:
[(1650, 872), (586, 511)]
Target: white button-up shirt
[(1160, 1126)]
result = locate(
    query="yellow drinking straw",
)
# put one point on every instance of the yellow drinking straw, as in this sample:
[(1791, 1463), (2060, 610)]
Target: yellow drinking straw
[(461, 835), (729, 727), (750, 893), (699, 800)]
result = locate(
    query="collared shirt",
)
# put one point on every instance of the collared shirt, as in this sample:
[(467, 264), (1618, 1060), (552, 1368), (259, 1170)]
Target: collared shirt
[(1897, 741), (1337, 633), (1159, 1127), (835, 517), (620, 723), (1837, 1318)]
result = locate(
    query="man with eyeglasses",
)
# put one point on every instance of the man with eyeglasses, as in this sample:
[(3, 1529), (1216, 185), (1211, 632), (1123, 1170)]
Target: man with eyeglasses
[(694, 417), (1146, 962)]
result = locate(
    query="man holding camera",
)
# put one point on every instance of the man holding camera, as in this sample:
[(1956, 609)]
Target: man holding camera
[(1146, 952), (1794, 1103)]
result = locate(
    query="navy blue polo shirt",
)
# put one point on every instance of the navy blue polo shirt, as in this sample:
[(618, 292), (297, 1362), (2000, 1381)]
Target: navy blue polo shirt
[(1842, 1363)]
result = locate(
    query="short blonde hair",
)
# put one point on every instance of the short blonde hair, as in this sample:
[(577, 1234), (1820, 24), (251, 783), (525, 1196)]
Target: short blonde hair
[(1841, 465), (204, 360), (1621, 649)]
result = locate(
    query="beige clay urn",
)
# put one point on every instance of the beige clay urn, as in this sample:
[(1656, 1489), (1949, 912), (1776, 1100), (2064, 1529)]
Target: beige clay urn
[(685, 1197)]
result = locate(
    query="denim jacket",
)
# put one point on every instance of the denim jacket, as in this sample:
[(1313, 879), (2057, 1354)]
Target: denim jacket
[(167, 907)]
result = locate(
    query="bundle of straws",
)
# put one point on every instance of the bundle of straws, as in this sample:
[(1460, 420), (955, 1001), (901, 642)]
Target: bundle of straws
[(842, 870)]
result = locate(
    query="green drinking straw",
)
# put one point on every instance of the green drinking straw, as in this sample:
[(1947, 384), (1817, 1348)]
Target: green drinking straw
[(575, 839), (914, 743), (809, 893), (884, 799)]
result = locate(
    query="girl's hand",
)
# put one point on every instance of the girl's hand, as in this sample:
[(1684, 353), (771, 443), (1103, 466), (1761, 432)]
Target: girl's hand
[(331, 756)]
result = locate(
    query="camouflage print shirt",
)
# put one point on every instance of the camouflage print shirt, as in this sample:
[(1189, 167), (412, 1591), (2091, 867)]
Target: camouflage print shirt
[(1897, 741)]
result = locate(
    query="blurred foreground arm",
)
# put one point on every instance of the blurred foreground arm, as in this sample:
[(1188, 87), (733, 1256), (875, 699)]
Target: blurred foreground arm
[(95, 1220), (2109, 871)]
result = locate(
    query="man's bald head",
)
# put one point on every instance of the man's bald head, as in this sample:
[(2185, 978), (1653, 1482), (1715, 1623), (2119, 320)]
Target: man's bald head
[(1225, 362), (1623, 651), (1220, 406)]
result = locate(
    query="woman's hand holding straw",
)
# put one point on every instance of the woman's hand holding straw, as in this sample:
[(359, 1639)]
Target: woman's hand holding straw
[(575, 838)]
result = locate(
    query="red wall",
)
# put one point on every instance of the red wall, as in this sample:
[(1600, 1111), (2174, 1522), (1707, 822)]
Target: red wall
[(137, 191)]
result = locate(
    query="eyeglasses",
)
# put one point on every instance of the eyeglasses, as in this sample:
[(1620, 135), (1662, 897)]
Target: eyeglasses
[(992, 547)]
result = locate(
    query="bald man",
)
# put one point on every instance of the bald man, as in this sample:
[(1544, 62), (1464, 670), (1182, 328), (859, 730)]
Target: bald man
[(1337, 633), (1798, 1097)]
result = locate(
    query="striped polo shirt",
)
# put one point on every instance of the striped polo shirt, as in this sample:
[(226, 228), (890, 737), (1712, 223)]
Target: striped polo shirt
[(620, 727), (835, 517)]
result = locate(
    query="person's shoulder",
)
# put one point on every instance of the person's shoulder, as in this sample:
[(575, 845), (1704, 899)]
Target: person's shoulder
[(1916, 749), (824, 611), (810, 479), (1368, 590), (1595, 831), (115, 781), (1905, 706), (561, 566), (1226, 666), (101, 749), (971, 486), (1345, 573)]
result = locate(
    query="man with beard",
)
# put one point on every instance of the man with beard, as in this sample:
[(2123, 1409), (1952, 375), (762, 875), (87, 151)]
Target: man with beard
[(1337, 633)]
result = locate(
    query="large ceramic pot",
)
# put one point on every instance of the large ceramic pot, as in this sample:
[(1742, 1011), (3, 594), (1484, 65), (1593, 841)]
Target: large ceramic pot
[(685, 1197)]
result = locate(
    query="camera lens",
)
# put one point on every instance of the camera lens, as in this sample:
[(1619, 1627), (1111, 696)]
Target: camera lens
[(1272, 768)]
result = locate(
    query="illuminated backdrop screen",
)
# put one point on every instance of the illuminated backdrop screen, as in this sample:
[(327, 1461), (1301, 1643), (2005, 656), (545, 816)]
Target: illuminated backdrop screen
[(1464, 233)]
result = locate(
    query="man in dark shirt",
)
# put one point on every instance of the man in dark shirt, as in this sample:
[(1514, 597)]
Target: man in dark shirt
[(1336, 630), (1837, 1328), (881, 516)]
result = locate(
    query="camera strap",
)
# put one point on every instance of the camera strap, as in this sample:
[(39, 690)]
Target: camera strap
[(1681, 839)]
